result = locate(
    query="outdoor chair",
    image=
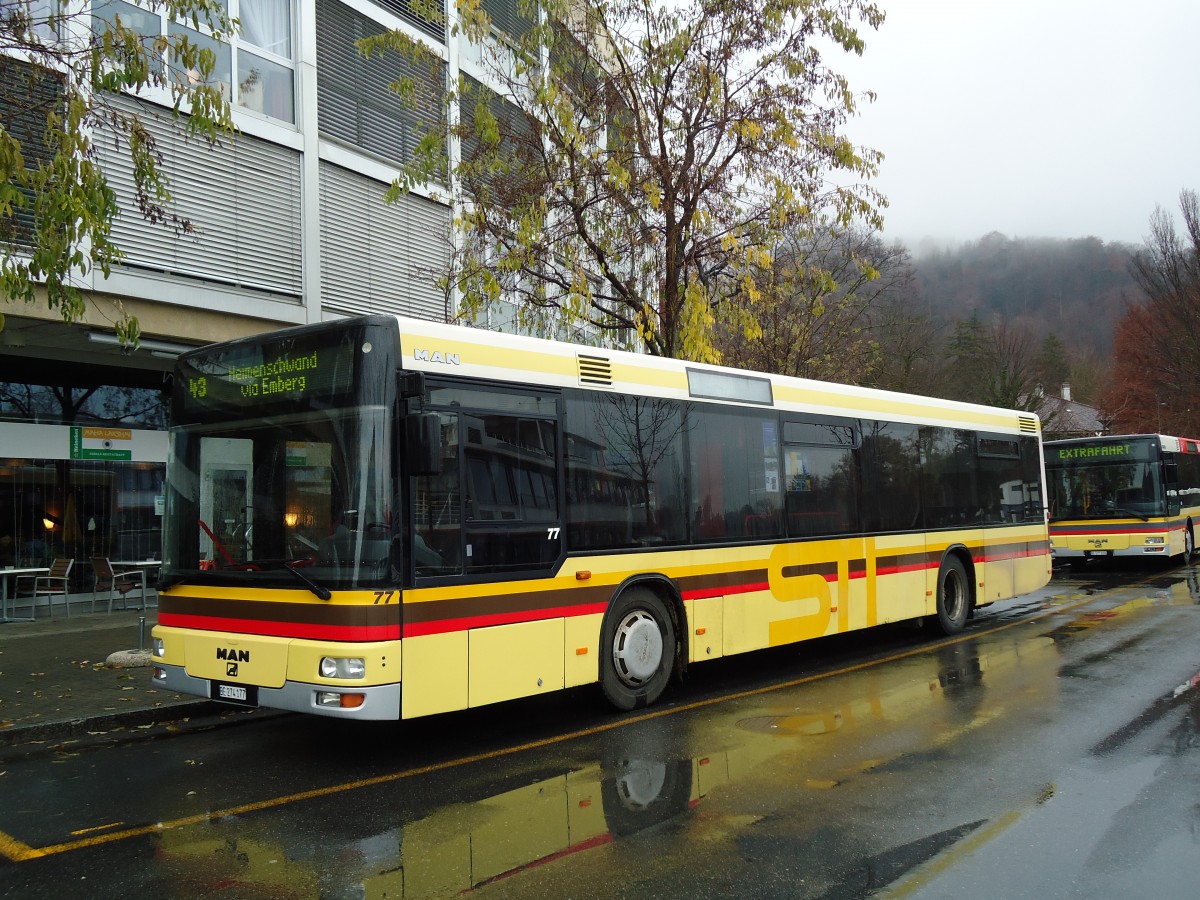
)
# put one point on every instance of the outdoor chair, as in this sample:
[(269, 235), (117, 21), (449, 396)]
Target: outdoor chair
[(113, 582), (50, 585)]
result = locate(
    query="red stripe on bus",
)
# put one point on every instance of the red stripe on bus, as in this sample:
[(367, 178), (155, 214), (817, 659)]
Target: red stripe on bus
[(1012, 552), (999, 557), (282, 629), (914, 567), (705, 593), (445, 626)]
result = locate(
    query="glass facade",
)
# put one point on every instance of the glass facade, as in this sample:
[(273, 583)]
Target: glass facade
[(83, 464)]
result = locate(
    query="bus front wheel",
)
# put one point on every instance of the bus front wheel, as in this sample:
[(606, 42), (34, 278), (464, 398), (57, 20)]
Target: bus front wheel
[(637, 651), (953, 596)]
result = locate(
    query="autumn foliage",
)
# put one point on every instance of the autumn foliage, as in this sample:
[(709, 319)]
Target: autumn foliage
[(1145, 394), (1156, 344)]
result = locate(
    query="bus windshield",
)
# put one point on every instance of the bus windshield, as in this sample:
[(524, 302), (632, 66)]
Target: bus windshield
[(1098, 489), (283, 495), (279, 472)]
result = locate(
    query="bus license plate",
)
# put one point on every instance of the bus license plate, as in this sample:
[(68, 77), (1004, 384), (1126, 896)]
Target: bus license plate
[(240, 694)]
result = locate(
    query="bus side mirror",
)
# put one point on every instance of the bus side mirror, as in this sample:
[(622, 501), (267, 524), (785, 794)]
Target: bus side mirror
[(423, 444)]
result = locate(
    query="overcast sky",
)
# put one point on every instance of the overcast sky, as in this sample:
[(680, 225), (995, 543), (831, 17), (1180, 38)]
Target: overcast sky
[(1035, 118)]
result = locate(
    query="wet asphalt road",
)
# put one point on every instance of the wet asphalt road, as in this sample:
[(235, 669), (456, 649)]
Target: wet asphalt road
[(1053, 750)]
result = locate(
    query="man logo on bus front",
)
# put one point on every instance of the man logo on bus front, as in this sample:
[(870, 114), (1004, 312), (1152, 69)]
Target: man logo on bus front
[(231, 669)]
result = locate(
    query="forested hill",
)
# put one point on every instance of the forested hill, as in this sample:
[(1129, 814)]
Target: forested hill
[(1077, 289)]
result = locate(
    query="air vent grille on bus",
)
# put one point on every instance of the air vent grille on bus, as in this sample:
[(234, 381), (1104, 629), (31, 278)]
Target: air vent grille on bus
[(595, 370), (1028, 425)]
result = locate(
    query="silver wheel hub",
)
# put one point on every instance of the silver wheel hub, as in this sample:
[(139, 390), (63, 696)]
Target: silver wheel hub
[(640, 783), (637, 648)]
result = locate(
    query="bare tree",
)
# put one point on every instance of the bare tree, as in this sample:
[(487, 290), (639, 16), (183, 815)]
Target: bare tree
[(822, 302), (1168, 272), (991, 363)]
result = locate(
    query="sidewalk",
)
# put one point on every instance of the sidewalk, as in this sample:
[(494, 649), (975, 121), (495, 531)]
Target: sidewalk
[(57, 687)]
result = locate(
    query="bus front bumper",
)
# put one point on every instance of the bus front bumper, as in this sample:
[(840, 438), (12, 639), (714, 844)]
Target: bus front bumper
[(375, 702)]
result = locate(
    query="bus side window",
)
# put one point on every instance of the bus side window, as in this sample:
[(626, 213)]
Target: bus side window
[(820, 490), (512, 521)]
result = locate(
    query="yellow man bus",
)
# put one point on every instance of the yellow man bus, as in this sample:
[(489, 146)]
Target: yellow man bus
[(1134, 495), (383, 518)]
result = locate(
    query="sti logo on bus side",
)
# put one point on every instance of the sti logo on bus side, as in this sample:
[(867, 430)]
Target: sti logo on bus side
[(437, 356)]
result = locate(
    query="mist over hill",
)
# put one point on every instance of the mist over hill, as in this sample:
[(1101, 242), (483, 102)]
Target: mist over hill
[(1076, 289)]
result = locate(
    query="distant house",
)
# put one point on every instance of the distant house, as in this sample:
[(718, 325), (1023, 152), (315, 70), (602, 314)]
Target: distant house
[(1063, 417)]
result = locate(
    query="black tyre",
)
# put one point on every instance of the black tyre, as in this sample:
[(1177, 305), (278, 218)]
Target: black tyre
[(953, 596), (1189, 543), (637, 650)]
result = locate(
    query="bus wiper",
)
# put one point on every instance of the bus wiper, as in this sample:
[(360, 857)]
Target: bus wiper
[(1121, 511), (322, 592)]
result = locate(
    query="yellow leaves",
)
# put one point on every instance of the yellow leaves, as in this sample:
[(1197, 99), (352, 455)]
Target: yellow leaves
[(617, 173), (759, 256), (645, 322), (749, 289), (748, 130), (653, 193)]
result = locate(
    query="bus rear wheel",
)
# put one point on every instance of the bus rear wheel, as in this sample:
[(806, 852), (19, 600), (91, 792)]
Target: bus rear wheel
[(637, 650), (953, 596)]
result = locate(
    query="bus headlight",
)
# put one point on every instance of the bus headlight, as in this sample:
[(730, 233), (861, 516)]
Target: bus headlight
[(1155, 540), (343, 667), (159, 650)]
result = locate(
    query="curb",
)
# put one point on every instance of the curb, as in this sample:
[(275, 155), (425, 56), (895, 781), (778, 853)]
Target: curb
[(42, 732), (136, 725)]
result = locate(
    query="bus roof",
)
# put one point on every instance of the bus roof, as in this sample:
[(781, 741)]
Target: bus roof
[(438, 348)]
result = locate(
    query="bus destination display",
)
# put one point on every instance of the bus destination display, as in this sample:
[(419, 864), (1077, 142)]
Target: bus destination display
[(1118, 452), (250, 376)]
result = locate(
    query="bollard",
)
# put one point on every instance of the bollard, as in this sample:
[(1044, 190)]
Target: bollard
[(141, 632)]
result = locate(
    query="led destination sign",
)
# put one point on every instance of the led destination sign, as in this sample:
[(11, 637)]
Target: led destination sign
[(283, 375), (1125, 451), (1111, 450), (254, 375)]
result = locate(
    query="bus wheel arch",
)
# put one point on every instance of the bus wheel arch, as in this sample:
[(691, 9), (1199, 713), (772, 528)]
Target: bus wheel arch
[(640, 643), (955, 591)]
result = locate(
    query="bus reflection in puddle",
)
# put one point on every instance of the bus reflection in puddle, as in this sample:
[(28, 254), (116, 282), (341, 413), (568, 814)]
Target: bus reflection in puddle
[(458, 848), (637, 785)]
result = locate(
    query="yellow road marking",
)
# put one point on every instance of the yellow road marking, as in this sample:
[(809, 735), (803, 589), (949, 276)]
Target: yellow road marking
[(16, 851), (96, 828), (926, 873), (11, 848)]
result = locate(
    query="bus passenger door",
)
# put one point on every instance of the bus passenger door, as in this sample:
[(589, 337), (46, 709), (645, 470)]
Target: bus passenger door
[(490, 521)]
